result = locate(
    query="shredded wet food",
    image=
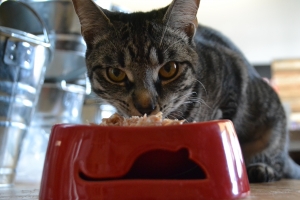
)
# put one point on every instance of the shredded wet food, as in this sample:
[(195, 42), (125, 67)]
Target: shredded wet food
[(152, 120)]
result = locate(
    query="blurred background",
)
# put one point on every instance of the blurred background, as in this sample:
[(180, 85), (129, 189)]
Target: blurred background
[(267, 31), (264, 30)]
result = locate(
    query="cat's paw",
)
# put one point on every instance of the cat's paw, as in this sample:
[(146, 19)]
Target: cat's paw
[(260, 172)]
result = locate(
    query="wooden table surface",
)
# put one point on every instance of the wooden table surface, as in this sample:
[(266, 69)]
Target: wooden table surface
[(283, 190)]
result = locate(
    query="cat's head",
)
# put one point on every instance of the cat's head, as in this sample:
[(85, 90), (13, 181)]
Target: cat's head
[(141, 62)]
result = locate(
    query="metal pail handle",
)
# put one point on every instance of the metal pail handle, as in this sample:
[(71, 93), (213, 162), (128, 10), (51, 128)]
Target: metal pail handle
[(19, 3)]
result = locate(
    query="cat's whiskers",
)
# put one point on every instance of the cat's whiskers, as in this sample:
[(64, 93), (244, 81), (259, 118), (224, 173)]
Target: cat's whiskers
[(184, 95), (202, 86), (170, 109), (196, 98), (201, 101), (193, 100), (113, 45)]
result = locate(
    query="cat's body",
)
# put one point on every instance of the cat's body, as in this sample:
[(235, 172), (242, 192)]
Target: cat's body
[(161, 61)]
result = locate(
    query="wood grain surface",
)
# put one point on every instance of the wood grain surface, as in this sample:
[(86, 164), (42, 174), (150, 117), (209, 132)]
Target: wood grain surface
[(283, 190)]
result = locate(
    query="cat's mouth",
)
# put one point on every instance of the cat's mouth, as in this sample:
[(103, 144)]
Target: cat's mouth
[(133, 111)]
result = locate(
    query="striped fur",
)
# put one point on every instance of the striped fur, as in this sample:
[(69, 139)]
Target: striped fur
[(214, 80)]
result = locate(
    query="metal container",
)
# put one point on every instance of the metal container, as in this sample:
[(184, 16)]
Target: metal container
[(62, 22), (59, 15), (94, 110), (69, 58), (58, 103), (23, 60), (14, 12)]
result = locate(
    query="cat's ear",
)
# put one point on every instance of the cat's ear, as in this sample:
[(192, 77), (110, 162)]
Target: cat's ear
[(182, 15), (92, 19)]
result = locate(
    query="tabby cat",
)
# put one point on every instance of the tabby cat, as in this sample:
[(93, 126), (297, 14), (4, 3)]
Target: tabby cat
[(162, 60)]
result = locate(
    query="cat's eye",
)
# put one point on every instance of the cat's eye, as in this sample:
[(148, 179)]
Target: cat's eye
[(168, 71), (116, 75)]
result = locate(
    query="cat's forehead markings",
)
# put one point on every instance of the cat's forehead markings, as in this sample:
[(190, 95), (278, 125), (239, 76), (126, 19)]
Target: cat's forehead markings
[(127, 57), (153, 56), (155, 75)]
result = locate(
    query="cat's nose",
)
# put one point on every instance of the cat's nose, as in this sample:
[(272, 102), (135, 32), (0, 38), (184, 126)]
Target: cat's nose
[(145, 109), (144, 102)]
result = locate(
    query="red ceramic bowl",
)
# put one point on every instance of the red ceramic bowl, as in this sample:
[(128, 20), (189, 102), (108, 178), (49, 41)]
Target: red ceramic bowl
[(189, 161)]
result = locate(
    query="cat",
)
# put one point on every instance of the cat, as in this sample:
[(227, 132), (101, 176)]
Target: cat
[(164, 61)]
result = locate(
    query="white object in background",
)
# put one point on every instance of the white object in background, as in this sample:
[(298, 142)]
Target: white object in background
[(103, 4)]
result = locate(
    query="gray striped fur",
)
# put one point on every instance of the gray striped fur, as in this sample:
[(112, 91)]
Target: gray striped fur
[(214, 81)]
